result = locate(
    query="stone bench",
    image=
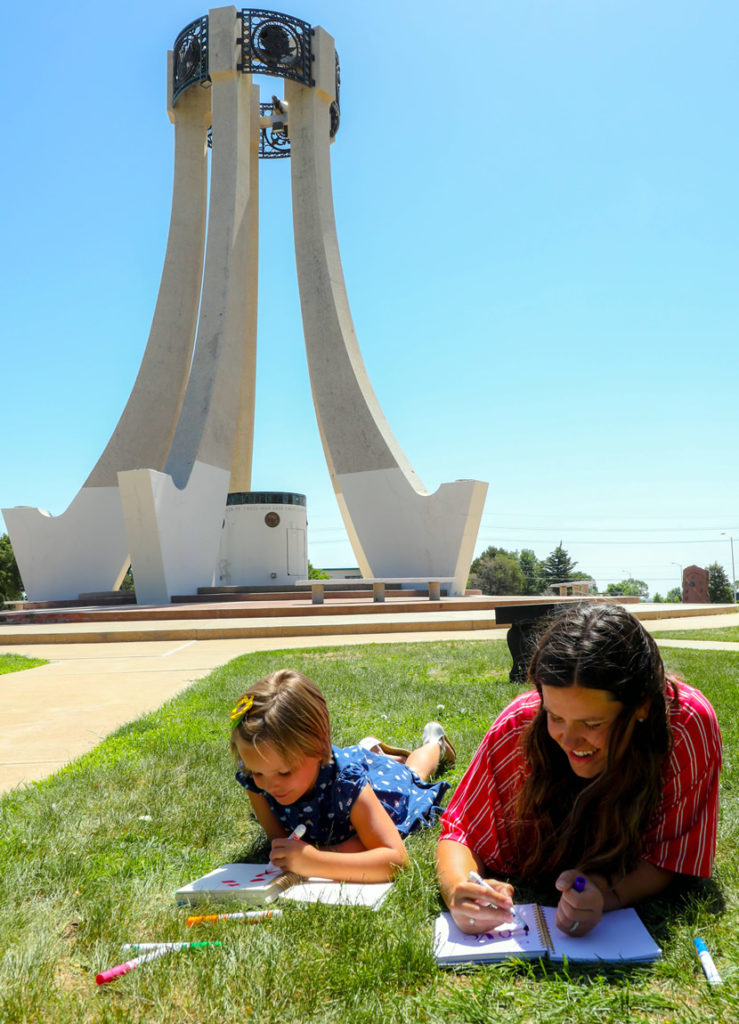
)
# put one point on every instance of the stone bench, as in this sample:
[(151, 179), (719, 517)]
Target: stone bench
[(378, 585)]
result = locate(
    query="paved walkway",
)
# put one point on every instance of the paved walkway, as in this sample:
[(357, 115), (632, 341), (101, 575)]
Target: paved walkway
[(56, 712)]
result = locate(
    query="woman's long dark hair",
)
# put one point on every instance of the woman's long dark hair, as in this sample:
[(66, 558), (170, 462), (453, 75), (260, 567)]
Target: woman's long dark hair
[(595, 824)]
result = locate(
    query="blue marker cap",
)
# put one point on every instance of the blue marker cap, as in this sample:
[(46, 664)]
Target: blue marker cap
[(700, 945), (579, 884)]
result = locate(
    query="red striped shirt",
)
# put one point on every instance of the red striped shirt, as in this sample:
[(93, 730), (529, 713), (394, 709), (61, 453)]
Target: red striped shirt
[(682, 836)]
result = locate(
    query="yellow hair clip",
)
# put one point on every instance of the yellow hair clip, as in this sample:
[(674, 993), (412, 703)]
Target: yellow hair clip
[(241, 710)]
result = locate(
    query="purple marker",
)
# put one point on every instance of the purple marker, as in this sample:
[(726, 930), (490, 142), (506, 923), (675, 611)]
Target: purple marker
[(579, 884)]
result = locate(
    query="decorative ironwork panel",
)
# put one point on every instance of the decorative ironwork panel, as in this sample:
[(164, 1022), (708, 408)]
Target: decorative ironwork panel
[(190, 56), (273, 140), (336, 105), (276, 44)]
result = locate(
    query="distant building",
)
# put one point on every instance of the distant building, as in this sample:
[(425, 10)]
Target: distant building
[(571, 588), (343, 574)]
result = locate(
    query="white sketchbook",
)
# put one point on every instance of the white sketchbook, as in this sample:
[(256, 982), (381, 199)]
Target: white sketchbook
[(619, 936), (260, 884)]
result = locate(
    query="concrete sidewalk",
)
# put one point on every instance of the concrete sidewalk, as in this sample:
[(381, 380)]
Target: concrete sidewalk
[(55, 713)]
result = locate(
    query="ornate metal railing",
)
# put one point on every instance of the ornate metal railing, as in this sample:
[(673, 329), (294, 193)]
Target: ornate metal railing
[(273, 141), (336, 105), (271, 44), (276, 44), (190, 56)]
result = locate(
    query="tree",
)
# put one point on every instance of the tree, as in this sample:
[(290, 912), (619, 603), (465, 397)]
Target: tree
[(11, 584), (628, 588), (657, 598), (674, 596), (532, 572), (558, 567), (497, 571), (719, 588), (317, 574)]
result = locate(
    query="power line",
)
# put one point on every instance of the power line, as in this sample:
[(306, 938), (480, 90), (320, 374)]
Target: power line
[(610, 529), (598, 543)]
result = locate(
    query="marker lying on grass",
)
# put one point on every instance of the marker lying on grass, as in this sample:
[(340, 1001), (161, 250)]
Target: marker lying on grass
[(153, 954), (709, 967), (252, 916), (119, 969), (170, 947), (478, 880)]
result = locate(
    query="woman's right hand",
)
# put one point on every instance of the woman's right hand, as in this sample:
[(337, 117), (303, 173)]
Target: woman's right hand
[(480, 908)]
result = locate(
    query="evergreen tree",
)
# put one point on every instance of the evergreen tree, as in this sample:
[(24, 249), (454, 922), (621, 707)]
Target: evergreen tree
[(719, 588), (558, 567)]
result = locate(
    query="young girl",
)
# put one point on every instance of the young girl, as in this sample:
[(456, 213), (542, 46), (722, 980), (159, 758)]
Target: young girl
[(356, 804), (606, 769)]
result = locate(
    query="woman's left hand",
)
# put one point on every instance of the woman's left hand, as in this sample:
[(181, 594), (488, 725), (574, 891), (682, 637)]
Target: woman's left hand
[(577, 912)]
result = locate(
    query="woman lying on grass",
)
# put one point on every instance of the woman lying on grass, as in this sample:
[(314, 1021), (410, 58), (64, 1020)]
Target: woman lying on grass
[(607, 771), (356, 804)]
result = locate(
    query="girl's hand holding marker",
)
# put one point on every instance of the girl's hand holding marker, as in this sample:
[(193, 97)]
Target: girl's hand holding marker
[(287, 853)]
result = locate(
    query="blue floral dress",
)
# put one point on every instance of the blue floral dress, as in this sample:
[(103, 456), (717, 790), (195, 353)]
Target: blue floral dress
[(410, 802)]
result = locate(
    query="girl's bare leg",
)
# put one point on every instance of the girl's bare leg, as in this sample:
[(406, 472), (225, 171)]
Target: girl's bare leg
[(425, 760)]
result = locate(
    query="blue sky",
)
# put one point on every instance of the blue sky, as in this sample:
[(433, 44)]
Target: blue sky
[(538, 213)]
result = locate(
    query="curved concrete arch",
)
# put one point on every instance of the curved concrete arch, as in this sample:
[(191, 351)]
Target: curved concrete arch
[(395, 526), (173, 518), (84, 549)]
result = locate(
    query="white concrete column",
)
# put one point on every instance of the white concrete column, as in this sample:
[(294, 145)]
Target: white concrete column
[(173, 519), (84, 549), (395, 527)]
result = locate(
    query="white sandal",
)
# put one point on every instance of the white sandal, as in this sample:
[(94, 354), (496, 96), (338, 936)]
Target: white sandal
[(433, 732), (376, 746)]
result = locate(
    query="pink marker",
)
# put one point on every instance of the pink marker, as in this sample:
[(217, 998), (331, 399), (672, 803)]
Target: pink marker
[(119, 969)]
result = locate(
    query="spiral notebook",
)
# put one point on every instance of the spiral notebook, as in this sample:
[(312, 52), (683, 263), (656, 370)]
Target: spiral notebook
[(619, 936), (259, 884)]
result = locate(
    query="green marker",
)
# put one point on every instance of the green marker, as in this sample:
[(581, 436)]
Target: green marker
[(171, 947)]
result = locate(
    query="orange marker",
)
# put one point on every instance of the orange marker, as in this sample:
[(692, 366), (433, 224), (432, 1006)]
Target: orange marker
[(252, 916)]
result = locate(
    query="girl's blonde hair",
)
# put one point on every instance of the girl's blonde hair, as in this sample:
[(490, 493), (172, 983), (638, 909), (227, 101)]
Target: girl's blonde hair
[(288, 712)]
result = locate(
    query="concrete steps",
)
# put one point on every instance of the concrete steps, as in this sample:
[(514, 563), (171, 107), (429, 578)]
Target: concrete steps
[(341, 615)]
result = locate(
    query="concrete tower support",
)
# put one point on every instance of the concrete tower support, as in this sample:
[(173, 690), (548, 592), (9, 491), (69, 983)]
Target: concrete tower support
[(173, 518), (184, 441), (84, 549), (395, 526)]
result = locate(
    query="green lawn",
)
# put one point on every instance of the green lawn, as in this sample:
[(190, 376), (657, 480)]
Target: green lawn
[(728, 633), (17, 663), (89, 859)]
